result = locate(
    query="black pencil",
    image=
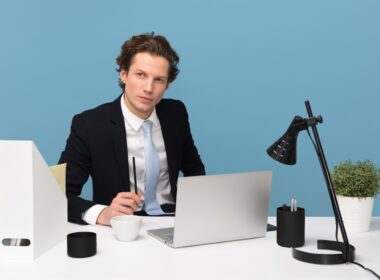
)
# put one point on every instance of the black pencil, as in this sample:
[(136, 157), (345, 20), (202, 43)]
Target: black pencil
[(134, 174)]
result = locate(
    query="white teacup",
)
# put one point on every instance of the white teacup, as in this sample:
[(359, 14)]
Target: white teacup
[(126, 227)]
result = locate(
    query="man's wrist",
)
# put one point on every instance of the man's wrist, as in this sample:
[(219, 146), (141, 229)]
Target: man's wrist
[(104, 217), (91, 215)]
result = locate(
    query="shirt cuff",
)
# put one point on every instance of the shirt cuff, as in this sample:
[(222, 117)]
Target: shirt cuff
[(91, 214)]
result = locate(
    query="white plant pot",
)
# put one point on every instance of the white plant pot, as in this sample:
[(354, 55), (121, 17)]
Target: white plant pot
[(356, 213)]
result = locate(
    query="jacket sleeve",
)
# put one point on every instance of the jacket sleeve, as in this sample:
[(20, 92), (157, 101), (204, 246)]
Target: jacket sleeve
[(191, 162), (77, 157)]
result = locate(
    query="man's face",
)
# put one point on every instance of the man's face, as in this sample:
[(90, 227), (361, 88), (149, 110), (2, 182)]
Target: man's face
[(145, 83)]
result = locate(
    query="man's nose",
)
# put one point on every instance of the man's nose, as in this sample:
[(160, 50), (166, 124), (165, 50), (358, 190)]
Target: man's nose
[(148, 86)]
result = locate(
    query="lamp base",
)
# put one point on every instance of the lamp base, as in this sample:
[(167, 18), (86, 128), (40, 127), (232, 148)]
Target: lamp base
[(326, 258)]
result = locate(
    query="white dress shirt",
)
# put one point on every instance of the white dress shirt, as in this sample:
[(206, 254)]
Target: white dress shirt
[(135, 143)]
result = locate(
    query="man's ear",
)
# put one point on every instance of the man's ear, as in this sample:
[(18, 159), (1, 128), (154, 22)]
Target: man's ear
[(123, 75)]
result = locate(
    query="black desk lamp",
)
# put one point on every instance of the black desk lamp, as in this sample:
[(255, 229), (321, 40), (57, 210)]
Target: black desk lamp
[(284, 151)]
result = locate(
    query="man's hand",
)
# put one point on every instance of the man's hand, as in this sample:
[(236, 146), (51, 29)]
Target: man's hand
[(124, 203)]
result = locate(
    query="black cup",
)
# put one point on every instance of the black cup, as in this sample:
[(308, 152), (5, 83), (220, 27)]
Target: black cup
[(290, 227), (81, 244)]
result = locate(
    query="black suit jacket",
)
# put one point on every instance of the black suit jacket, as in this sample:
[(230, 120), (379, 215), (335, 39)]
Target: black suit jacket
[(97, 147)]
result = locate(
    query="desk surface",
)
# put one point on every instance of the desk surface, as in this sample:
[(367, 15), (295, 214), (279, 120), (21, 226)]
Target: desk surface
[(147, 258)]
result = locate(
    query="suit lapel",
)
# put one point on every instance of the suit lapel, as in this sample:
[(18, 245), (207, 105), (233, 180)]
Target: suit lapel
[(119, 139)]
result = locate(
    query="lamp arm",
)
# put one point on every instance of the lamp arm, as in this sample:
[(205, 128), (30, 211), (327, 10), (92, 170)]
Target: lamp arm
[(330, 188)]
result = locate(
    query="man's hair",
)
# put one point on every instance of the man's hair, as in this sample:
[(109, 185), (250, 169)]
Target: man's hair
[(156, 45)]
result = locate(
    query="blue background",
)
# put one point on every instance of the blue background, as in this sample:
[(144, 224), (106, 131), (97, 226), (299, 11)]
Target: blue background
[(246, 69)]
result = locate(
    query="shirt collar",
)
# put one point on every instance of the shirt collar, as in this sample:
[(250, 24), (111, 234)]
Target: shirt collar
[(134, 121)]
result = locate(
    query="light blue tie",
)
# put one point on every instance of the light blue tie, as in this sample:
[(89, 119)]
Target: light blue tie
[(152, 172)]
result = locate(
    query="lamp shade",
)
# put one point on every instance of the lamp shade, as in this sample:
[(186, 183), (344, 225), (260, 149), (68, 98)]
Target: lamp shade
[(284, 149)]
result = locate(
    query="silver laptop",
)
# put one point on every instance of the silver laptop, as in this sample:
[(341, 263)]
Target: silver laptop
[(218, 208)]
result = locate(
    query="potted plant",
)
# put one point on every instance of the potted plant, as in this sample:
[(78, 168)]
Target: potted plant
[(356, 185)]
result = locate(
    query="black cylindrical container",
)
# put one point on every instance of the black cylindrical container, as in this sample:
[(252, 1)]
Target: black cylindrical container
[(81, 244), (290, 227)]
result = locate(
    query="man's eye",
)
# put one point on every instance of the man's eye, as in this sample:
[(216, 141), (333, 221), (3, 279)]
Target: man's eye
[(161, 81), (140, 75)]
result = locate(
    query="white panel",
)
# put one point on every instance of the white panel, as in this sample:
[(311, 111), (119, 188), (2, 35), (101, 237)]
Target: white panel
[(50, 207), (16, 197)]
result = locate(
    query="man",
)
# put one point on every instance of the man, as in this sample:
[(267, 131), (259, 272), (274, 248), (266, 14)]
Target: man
[(138, 126)]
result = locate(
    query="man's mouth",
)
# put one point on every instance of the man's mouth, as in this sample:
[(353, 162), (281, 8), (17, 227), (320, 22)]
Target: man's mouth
[(145, 99)]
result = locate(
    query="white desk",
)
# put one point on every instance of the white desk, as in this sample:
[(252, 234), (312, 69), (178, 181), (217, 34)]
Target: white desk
[(147, 258)]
